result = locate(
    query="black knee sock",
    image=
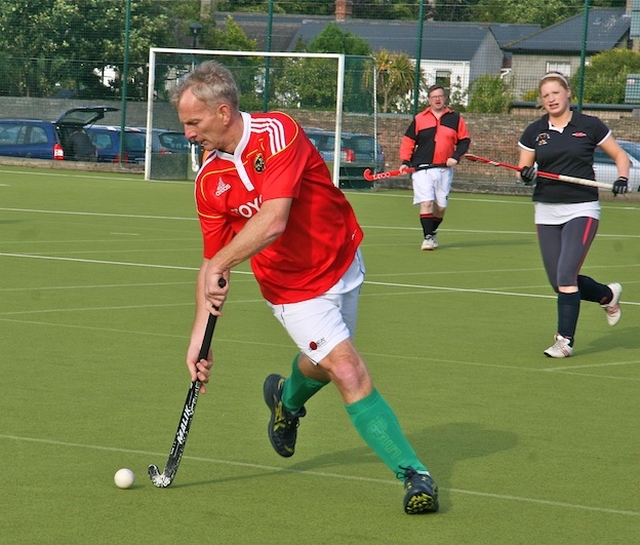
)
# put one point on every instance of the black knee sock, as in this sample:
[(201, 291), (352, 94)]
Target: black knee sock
[(590, 290), (568, 311), (426, 220), (436, 224)]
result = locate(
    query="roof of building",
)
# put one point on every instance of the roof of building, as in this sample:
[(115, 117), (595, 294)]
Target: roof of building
[(442, 40), (606, 28)]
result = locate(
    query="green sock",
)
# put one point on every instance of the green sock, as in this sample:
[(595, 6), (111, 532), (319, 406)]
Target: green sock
[(378, 426), (298, 389)]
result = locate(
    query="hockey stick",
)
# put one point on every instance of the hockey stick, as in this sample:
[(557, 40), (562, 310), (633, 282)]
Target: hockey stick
[(392, 173), (550, 175), (164, 479), (382, 175)]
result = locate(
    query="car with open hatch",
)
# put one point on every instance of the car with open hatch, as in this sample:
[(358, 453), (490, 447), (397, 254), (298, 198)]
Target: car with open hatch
[(45, 139)]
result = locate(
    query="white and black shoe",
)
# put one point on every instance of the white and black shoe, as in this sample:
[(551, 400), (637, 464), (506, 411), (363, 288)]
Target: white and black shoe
[(429, 243)]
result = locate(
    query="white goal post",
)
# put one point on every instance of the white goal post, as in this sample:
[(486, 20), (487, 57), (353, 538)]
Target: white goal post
[(154, 51)]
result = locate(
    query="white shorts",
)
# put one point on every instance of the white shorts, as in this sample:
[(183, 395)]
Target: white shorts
[(319, 324), (432, 184)]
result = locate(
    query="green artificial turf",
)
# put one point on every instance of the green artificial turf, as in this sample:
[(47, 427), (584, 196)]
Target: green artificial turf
[(96, 301)]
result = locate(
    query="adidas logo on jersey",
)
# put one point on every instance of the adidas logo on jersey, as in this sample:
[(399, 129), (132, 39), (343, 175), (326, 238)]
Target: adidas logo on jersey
[(222, 187)]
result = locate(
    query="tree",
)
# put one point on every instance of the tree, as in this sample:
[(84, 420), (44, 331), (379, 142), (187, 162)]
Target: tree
[(395, 80), (245, 69), (497, 11), (543, 12), (605, 76), (310, 83), (333, 39), (54, 44), (357, 96), (489, 95)]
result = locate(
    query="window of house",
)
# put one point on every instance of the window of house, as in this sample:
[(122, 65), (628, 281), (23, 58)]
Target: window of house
[(563, 67), (443, 77)]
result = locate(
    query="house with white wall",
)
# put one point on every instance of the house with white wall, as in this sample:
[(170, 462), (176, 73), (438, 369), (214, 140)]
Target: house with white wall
[(560, 46), (452, 53)]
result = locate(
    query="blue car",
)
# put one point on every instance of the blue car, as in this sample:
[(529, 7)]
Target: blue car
[(107, 139), (42, 139)]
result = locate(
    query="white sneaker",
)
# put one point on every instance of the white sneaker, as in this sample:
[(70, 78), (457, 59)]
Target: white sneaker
[(429, 243), (612, 308), (560, 349)]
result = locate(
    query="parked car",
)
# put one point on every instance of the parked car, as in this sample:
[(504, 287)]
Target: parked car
[(106, 138), (358, 152), (606, 170), (165, 141), (42, 139)]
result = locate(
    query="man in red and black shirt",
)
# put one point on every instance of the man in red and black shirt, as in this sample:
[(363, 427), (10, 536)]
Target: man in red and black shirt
[(265, 195), (433, 145)]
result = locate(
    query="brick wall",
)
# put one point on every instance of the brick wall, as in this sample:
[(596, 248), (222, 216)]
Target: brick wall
[(492, 135)]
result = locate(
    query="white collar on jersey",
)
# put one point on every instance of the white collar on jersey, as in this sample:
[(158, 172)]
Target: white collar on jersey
[(236, 157)]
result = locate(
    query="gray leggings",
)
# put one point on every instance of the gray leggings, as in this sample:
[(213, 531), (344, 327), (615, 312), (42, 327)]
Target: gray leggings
[(564, 249)]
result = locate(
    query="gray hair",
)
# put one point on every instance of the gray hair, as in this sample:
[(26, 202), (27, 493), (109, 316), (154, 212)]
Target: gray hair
[(211, 83)]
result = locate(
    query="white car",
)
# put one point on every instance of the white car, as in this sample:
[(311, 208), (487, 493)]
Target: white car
[(606, 170)]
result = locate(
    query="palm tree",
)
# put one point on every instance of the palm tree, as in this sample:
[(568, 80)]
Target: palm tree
[(395, 80)]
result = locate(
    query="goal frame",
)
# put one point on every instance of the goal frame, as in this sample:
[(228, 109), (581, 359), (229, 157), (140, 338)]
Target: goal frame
[(154, 51)]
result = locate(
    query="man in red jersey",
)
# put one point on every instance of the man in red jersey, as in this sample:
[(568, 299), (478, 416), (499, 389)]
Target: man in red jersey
[(264, 194), (434, 143)]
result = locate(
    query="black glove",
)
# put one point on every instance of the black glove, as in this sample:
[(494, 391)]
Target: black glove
[(620, 186), (529, 175)]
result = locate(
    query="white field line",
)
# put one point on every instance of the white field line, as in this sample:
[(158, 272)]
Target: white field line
[(178, 218), (7, 317), (591, 365), (370, 282), (97, 214), (385, 284), (99, 262), (322, 474), (99, 286), (458, 197), (88, 176)]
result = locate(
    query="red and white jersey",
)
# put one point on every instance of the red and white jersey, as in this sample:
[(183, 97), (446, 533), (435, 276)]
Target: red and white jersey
[(275, 159)]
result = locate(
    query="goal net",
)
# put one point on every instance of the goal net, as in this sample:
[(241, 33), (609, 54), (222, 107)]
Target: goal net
[(332, 96)]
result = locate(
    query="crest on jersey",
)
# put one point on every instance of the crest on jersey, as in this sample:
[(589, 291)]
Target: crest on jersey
[(259, 164), (542, 139)]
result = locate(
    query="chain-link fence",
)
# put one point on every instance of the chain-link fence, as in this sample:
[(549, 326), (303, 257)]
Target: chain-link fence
[(489, 55)]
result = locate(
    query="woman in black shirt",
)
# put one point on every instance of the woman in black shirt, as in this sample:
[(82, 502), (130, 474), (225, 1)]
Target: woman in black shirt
[(567, 215)]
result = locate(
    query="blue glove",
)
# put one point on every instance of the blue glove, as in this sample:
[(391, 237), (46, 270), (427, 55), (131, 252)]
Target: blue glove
[(529, 175), (620, 186)]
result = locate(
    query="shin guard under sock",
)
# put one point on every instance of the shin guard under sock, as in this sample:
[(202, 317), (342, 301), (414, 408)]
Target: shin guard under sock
[(436, 224), (378, 426), (568, 311), (593, 291), (426, 220), (298, 389)]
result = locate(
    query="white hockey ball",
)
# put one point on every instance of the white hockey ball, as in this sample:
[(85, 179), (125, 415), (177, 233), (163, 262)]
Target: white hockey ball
[(124, 478)]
